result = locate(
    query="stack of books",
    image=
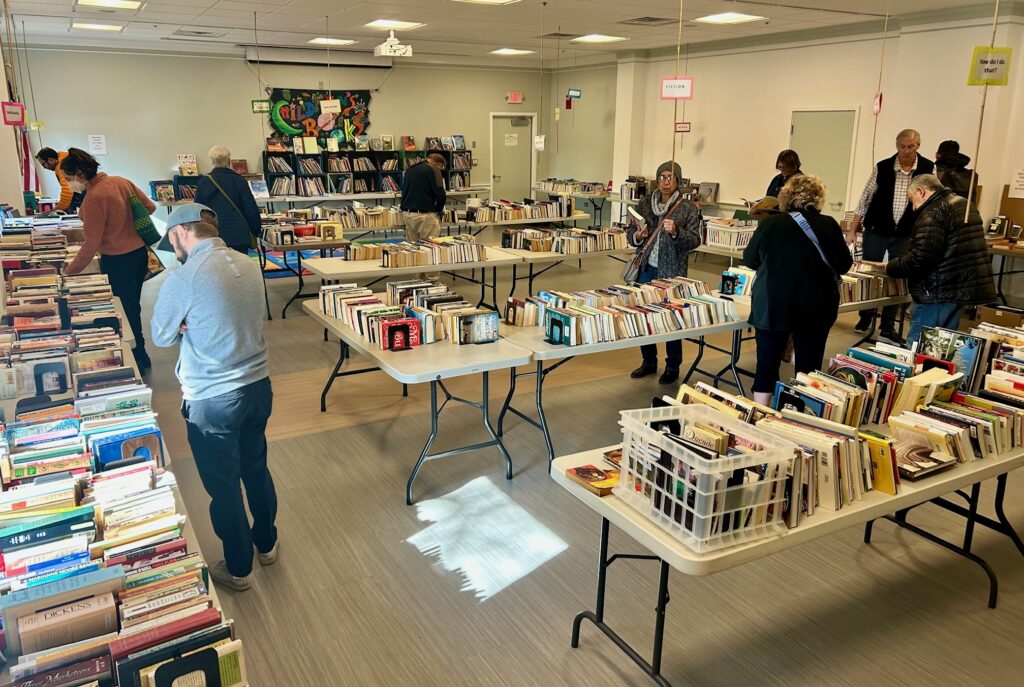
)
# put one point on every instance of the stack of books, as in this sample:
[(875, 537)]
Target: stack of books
[(534, 239), (441, 250), (867, 281), (737, 281), (569, 186), (506, 211)]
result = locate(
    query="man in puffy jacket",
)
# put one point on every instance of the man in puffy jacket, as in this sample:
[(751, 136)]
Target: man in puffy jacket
[(947, 265)]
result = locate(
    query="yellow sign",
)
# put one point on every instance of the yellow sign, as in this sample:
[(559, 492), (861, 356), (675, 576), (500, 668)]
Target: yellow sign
[(989, 66), (37, 125)]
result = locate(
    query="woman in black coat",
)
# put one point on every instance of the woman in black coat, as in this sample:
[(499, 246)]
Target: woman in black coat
[(796, 290), (227, 193)]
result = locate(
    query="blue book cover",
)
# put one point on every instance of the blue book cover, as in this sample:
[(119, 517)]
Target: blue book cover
[(80, 569), (46, 567), (142, 442), (901, 369), (41, 535), (80, 514), (23, 596)]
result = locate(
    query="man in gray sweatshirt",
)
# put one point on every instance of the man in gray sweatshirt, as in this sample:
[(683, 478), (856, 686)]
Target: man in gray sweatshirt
[(212, 307)]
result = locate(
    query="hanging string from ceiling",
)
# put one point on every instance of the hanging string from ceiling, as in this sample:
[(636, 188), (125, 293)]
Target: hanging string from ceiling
[(675, 103), (31, 88), (327, 30), (878, 89), (260, 95), (981, 121)]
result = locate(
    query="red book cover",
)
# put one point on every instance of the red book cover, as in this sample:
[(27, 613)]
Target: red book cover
[(397, 339), (119, 648), (75, 674), (133, 557)]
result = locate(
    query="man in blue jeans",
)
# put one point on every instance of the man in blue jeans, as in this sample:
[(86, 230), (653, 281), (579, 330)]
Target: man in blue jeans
[(947, 265), (212, 307)]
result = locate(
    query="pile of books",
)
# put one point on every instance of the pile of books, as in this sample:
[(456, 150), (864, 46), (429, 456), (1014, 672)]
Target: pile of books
[(867, 281), (278, 165), (363, 164), (534, 239), (440, 250), (577, 241), (570, 186), (634, 189), (310, 165), (411, 313), (506, 211), (282, 186), (390, 184), (337, 165), (737, 281), (358, 216)]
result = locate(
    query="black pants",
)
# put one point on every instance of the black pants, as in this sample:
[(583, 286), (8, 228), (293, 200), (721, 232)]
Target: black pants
[(808, 353), (126, 273), (228, 440), (875, 246)]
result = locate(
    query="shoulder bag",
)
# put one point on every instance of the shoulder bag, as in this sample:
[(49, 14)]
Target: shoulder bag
[(143, 222), (637, 262)]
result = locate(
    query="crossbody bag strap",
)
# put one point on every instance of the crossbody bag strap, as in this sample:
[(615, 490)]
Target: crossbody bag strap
[(226, 197), (809, 233)]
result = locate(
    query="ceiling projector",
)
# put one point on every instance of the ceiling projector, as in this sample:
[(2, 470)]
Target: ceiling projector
[(392, 48)]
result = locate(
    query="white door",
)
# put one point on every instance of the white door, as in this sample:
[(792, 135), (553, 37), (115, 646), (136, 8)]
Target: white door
[(824, 141), (512, 146)]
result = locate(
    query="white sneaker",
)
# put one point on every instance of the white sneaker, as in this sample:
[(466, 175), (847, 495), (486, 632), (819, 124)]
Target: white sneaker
[(270, 557), (219, 573)]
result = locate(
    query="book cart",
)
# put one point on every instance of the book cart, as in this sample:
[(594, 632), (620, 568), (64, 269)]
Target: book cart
[(670, 552), (428, 364)]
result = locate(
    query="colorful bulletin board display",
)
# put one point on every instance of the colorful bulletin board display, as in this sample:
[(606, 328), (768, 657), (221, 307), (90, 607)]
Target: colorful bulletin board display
[(297, 112)]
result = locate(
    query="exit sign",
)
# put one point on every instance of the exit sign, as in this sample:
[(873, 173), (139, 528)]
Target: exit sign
[(514, 97)]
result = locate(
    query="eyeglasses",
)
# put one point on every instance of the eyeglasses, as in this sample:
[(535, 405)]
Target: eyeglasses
[(666, 177)]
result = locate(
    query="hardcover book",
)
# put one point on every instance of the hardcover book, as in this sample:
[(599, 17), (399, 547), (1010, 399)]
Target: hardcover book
[(594, 479)]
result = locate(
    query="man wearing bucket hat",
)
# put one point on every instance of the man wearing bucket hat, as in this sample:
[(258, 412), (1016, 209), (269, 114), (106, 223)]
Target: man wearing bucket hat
[(211, 308)]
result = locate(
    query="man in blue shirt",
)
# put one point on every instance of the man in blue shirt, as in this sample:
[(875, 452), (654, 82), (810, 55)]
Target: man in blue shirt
[(212, 307)]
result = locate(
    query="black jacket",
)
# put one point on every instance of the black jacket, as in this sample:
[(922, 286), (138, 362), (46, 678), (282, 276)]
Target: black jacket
[(952, 171), (948, 260), (235, 226), (778, 181), (672, 252), (423, 189), (794, 287)]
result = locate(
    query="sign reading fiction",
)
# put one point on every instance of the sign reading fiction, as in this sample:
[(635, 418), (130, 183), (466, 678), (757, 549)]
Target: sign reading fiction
[(298, 112), (676, 87), (990, 66)]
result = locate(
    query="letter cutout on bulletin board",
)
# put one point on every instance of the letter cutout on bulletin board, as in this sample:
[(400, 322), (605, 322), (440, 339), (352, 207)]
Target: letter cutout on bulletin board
[(297, 112)]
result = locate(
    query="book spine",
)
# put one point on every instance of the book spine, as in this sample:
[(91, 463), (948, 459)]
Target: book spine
[(120, 648)]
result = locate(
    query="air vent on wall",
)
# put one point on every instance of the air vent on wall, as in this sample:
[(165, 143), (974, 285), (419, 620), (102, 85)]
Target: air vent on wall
[(556, 34), (198, 33), (649, 21)]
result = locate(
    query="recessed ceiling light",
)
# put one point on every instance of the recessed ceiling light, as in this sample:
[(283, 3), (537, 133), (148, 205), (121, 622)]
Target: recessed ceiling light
[(598, 38), (111, 4), (488, 2), (729, 18), (330, 41), (89, 26), (393, 24), (509, 51)]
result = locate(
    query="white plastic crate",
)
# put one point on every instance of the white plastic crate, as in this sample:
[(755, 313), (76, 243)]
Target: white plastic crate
[(720, 235), (707, 504)]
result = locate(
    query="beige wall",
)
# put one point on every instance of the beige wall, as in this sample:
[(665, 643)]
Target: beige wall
[(11, 184), (579, 144), (151, 107), (743, 103)]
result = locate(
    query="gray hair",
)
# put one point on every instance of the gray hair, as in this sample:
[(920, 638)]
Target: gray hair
[(220, 156), (924, 182), (909, 133), (802, 192)]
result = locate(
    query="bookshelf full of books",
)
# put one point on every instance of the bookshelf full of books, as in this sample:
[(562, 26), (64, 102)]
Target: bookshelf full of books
[(310, 179), (620, 312), (102, 582), (411, 313), (279, 170)]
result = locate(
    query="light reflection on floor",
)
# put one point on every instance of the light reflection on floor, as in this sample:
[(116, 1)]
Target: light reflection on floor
[(486, 537)]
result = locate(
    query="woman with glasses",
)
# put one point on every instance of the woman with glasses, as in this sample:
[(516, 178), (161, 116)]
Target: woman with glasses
[(674, 225)]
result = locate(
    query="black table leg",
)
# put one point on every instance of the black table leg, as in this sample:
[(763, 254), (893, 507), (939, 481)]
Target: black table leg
[(298, 273), (261, 256)]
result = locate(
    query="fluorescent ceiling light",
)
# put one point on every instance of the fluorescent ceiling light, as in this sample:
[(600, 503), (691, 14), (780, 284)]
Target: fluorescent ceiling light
[(729, 18), (488, 2), (598, 38), (393, 24), (89, 26), (509, 51), (111, 4), (330, 41)]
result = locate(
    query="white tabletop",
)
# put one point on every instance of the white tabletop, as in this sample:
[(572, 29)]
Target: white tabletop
[(1006, 252), (874, 505), (532, 339), (440, 360), (736, 253), (853, 306), (551, 256), (127, 335), (337, 268), (535, 220)]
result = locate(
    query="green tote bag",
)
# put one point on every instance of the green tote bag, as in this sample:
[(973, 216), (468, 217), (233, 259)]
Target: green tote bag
[(143, 222)]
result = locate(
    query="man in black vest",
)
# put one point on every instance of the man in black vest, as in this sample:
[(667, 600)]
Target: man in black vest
[(887, 218)]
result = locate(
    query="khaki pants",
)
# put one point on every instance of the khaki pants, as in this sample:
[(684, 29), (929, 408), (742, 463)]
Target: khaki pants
[(420, 226)]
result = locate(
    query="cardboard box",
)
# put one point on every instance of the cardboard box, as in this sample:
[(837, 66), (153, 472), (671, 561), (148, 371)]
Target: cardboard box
[(1001, 315)]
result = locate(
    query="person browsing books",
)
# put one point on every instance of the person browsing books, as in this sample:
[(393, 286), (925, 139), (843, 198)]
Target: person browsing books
[(799, 255), (227, 193), (947, 265), (109, 226), (951, 169), (212, 308), (886, 219), (69, 200), (788, 166), (423, 198), (669, 228)]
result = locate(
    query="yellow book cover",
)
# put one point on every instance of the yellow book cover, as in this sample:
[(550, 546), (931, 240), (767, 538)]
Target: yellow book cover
[(883, 470)]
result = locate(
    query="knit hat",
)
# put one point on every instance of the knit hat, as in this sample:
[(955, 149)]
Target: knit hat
[(669, 166), (948, 147)]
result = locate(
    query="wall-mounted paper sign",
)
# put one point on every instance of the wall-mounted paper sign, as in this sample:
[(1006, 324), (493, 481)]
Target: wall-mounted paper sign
[(14, 114), (538, 142), (511, 140), (676, 87), (683, 127), (37, 125), (989, 66), (332, 106), (1016, 184), (97, 144), (260, 106), (877, 106)]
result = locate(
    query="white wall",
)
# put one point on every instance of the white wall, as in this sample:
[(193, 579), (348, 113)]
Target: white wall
[(579, 143), (151, 107), (743, 103)]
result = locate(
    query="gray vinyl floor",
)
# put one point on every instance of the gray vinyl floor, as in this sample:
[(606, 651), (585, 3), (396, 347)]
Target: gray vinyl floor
[(352, 603)]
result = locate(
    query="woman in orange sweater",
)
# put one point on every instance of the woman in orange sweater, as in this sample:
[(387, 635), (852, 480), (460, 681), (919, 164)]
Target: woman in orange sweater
[(106, 214)]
